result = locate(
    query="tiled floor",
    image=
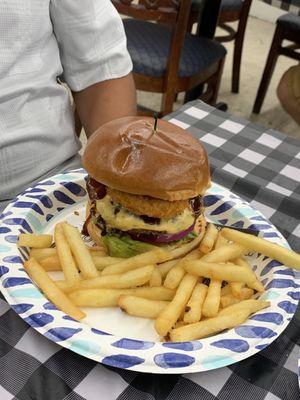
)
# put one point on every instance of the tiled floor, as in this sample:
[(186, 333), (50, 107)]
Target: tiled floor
[(256, 46)]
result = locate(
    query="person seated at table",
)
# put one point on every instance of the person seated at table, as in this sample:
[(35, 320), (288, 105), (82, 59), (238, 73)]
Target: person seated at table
[(288, 92), (41, 40)]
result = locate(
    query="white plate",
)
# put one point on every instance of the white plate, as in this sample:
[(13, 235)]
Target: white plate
[(108, 335)]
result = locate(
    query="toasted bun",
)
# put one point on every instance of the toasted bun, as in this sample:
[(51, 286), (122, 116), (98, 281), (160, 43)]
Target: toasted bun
[(125, 154), (200, 225), (94, 233)]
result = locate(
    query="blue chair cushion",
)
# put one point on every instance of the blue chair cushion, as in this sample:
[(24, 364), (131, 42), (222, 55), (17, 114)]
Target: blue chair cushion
[(231, 5), (226, 5), (290, 21), (149, 43)]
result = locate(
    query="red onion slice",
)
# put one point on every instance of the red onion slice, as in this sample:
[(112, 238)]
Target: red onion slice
[(161, 238)]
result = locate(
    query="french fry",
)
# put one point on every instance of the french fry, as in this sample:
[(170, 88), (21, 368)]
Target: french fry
[(97, 249), (186, 248), (179, 324), (34, 241), (251, 304), (97, 298), (40, 254), (165, 267), (176, 274), (155, 279), (211, 303), (168, 317), (256, 244), (208, 327), (226, 290), (102, 262), (110, 297), (228, 300), (51, 263), (139, 307), (52, 292), (236, 288), (67, 262), (221, 241), (80, 252), (246, 293), (154, 293), (209, 239), (151, 257), (255, 284), (225, 253), (223, 272), (130, 279), (193, 309)]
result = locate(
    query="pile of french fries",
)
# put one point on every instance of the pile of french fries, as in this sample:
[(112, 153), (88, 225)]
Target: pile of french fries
[(197, 290)]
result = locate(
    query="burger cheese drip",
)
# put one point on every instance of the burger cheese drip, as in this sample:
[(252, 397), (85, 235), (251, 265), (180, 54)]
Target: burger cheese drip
[(111, 216), (126, 220)]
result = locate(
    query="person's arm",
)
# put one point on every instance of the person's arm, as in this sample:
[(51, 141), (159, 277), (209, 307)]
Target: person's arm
[(95, 60), (104, 101)]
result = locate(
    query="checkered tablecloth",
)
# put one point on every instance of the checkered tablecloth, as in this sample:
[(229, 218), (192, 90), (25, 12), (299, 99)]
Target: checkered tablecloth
[(291, 6), (263, 166)]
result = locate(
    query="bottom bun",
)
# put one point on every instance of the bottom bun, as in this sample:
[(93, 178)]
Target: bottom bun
[(200, 225), (94, 233)]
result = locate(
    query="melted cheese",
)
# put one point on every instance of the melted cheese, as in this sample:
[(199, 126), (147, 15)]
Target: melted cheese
[(126, 220)]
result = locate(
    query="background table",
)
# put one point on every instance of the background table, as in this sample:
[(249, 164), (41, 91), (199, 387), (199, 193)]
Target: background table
[(264, 168), (291, 6)]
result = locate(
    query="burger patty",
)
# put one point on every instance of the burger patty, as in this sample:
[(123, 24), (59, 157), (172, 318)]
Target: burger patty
[(146, 205)]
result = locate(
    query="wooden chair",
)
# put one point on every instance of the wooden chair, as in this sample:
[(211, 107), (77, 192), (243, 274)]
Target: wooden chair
[(231, 11), (288, 28), (167, 59), (234, 10)]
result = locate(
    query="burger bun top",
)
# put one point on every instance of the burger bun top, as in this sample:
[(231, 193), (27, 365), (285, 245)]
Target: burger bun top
[(128, 155)]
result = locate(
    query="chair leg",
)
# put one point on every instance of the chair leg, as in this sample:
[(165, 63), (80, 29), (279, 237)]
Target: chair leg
[(268, 71), (238, 46), (217, 82), (167, 102), (236, 65)]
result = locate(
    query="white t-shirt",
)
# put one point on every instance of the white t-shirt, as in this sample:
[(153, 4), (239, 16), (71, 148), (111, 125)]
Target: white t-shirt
[(40, 40)]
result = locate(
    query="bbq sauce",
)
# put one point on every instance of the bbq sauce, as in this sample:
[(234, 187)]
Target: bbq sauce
[(96, 190), (84, 230), (150, 220), (196, 205)]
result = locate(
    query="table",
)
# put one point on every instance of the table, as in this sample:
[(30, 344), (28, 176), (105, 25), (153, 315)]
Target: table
[(291, 6), (263, 166)]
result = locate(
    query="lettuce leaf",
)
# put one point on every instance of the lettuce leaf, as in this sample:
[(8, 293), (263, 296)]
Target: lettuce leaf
[(123, 246)]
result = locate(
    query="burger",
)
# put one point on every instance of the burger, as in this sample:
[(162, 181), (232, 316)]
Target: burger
[(145, 185)]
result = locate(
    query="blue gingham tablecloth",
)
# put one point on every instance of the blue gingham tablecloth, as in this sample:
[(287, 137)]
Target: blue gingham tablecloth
[(291, 6), (262, 166)]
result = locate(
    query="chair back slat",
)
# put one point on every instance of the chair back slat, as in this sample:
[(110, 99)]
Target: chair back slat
[(162, 11), (175, 14)]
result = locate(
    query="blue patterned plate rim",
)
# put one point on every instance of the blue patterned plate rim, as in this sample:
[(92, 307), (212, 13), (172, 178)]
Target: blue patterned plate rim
[(31, 211)]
